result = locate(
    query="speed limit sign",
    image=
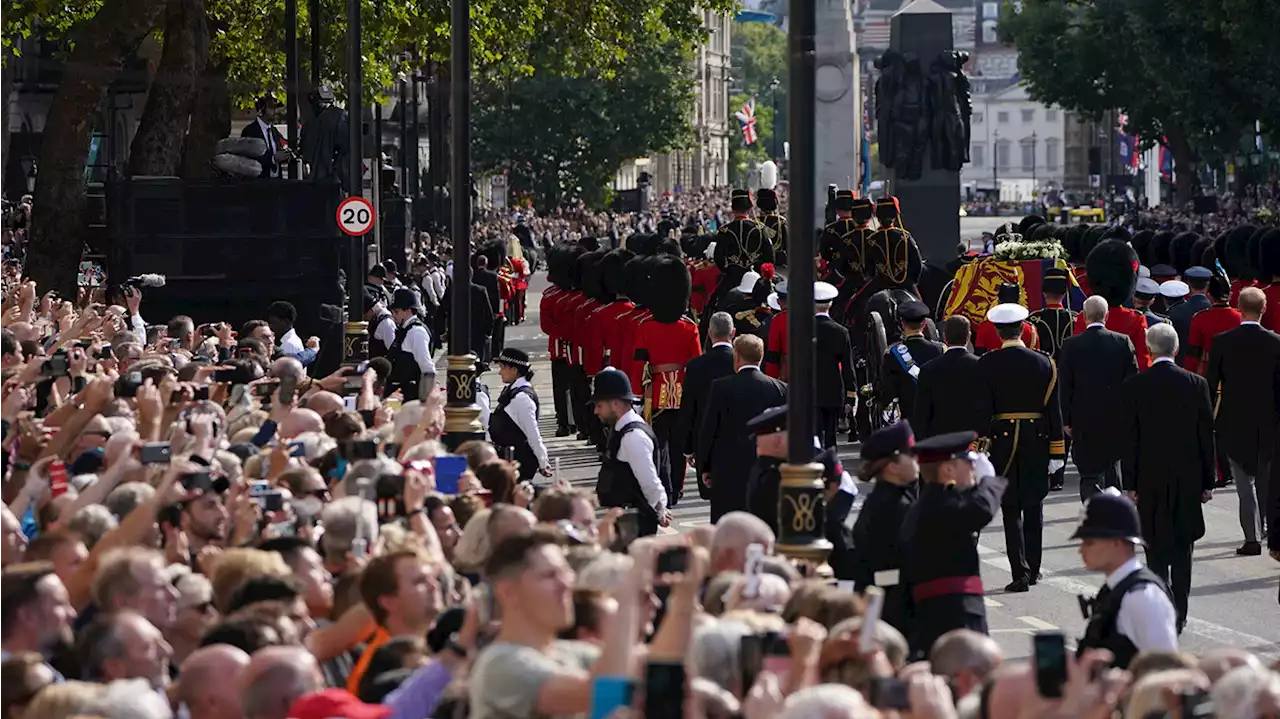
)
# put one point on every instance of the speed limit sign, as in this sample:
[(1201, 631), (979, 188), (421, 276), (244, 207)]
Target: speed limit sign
[(355, 216)]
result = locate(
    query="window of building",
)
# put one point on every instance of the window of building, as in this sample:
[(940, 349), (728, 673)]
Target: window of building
[(1050, 115), (1028, 155), (1002, 117), (1028, 115), (978, 154), (989, 34), (991, 9), (1002, 154), (1051, 151), (975, 119)]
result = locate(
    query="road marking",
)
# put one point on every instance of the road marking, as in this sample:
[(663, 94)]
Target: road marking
[(989, 602), (1038, 624), (1209, 630)]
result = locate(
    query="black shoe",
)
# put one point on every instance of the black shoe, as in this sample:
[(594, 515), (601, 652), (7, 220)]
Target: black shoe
[(1056, 487), (563, 431), (1034, 579), (1018, 586), (582, 435), (1250, 549)]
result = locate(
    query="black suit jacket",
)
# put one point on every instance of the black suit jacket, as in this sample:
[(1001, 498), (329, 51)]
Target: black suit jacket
[(833, 362), (481, 317), (1091, 368), (1243, 364), (1167, 427), (701, 371), (898, 382), (725, 449), (488, 279), (268, 160), (951, 396)]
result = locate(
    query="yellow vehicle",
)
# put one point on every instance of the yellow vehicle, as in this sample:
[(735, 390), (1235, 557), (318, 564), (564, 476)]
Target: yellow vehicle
[(1078, 214)]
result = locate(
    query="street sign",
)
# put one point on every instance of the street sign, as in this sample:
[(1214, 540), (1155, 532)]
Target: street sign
[(355, 216)]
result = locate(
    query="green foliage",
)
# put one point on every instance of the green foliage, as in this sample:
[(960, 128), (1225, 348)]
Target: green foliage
[(52, 19), (759, 56), (743, 157)]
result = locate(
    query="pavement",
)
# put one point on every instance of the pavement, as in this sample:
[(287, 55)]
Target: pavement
[(1233, 599)]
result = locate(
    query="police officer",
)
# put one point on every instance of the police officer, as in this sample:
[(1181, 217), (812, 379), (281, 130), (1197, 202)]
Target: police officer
[(888, 457), (902, 362), (412, 370), (382, 327), (1133, 612), (959, 495), (629, 474), (514, 422)]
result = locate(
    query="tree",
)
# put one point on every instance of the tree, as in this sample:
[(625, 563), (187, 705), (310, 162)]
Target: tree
[(1194, 74), (759, 56), (743, 157)]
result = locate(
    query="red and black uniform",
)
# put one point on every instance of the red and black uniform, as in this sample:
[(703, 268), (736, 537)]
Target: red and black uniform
[(589, 426), (547, 313), (1238, 286), (1205, 325), (775, 350), (987, 339)]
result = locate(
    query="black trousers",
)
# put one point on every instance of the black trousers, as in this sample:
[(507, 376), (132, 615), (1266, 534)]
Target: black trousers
[(560, 384), (1093, 482), (1023, 538), (1172, 563), (584, 415), (827, 426), (669, 430), (499, 338)]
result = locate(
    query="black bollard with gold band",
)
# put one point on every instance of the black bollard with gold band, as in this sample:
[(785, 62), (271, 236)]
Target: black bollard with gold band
[(802, 513), (355, 343), (461, 413)]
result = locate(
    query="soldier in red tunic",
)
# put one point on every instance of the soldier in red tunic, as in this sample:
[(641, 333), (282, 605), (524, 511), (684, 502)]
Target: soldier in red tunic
[(1113, 273), (613, 272), (588, 274), (1206, 324), (775, 349), (664, 344), (987, 339), (548, 320)]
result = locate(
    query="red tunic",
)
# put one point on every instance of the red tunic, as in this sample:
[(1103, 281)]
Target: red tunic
[(1238, 286), (569, 300), (988, 339), (705, 276), (617, 333), (521, 274), (1127, 322), (547, 319), (1205, 325), (1082, 279), (1271, 317), (775, 350), (578, 334), (628, 328), (593, 340), (664, 348)]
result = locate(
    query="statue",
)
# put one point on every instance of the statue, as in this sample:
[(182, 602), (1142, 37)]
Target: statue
[(915, 110), (324, 140), (949, 109)]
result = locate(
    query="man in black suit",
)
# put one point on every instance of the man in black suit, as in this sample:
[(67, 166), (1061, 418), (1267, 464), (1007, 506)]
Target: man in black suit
[(1091, 368), (1243, 367), (726, 449), (482, 314), (263, 127), (835, 385), (903, 362), (1168, 469), (488, 279), (701, 371), (951, 395)]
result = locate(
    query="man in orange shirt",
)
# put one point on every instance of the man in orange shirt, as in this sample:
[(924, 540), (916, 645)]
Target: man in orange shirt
[(403, 592)]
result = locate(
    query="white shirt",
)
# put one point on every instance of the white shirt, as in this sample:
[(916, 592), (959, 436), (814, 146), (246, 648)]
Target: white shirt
[(722, 344), (525, 413), (486, 406), (385, 331), (418, 343), (1091, 325), (1158, 360), (637, 450), (139, 328), (749, 366), (290, 344), (957, 347), (1147, 617), (267, 136), (1249, 322)]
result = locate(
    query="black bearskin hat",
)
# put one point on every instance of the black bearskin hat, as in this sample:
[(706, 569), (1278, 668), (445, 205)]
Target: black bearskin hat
[(613, 271), (1255, 254), (1140, 241), (493, 253), (1071, 242), (1202, 254), (1092, 238), (590, 244), (1220, 247), (740, 201), (1180, 250), (643, 244), (1042, 232), (767, 199), (1028, 223), (889, 211), (672, 286), (1112, 269), (1235, 255), (861, 208), (1269, 253), (669, 246), (1158, 250), (1115, 233), (571, 256), (556, 266), (637, 280), (592, 277)]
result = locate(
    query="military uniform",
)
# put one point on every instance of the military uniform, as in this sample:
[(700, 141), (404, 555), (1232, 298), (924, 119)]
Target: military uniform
[(900, 366), (1205, 326), (895, 256), (1113, 274), (1025, 434), (1053, 325), (946, 586), (1143, 296), (775, 348), (877, 534), (775, 222)]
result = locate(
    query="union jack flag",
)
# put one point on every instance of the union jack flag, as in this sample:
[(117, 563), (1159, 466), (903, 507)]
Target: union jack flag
[(747, 120)]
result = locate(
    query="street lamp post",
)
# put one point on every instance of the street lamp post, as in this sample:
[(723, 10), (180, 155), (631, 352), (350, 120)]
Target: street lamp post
[(1034, 150), (773, 99), (355, 345), (995, 167), (801, 509), (462, 414)]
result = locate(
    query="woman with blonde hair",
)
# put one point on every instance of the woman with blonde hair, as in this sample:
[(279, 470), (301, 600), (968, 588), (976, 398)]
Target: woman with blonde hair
[(65, 700)]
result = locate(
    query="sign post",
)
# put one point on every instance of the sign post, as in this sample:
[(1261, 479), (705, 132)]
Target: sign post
[(355, 216)]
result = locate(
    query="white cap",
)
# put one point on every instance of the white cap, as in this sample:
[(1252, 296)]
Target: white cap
[(1148, 286), (1007, 313), (772, 301), (749, 281), (1174, 288), (824, 292), (1144, 271), (710, 254)]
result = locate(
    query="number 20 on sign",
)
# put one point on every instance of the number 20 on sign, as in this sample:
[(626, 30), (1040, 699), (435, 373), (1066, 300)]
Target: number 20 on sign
[(355, 216)]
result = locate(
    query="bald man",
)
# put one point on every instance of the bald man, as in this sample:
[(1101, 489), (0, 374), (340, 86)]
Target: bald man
[(966, 658), (274, 678), (734, 532), (300, 421), (324, 403), (206, 674)]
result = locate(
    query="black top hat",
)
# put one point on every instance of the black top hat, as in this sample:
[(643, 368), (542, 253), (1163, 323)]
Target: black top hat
[(612, 383), (513, 357), (942, 447), (405, 300), (1109, 515), (770, 421), (888, 442)]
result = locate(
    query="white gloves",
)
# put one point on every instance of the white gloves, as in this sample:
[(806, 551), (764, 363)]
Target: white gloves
[(1056, 464), (982, 466)]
